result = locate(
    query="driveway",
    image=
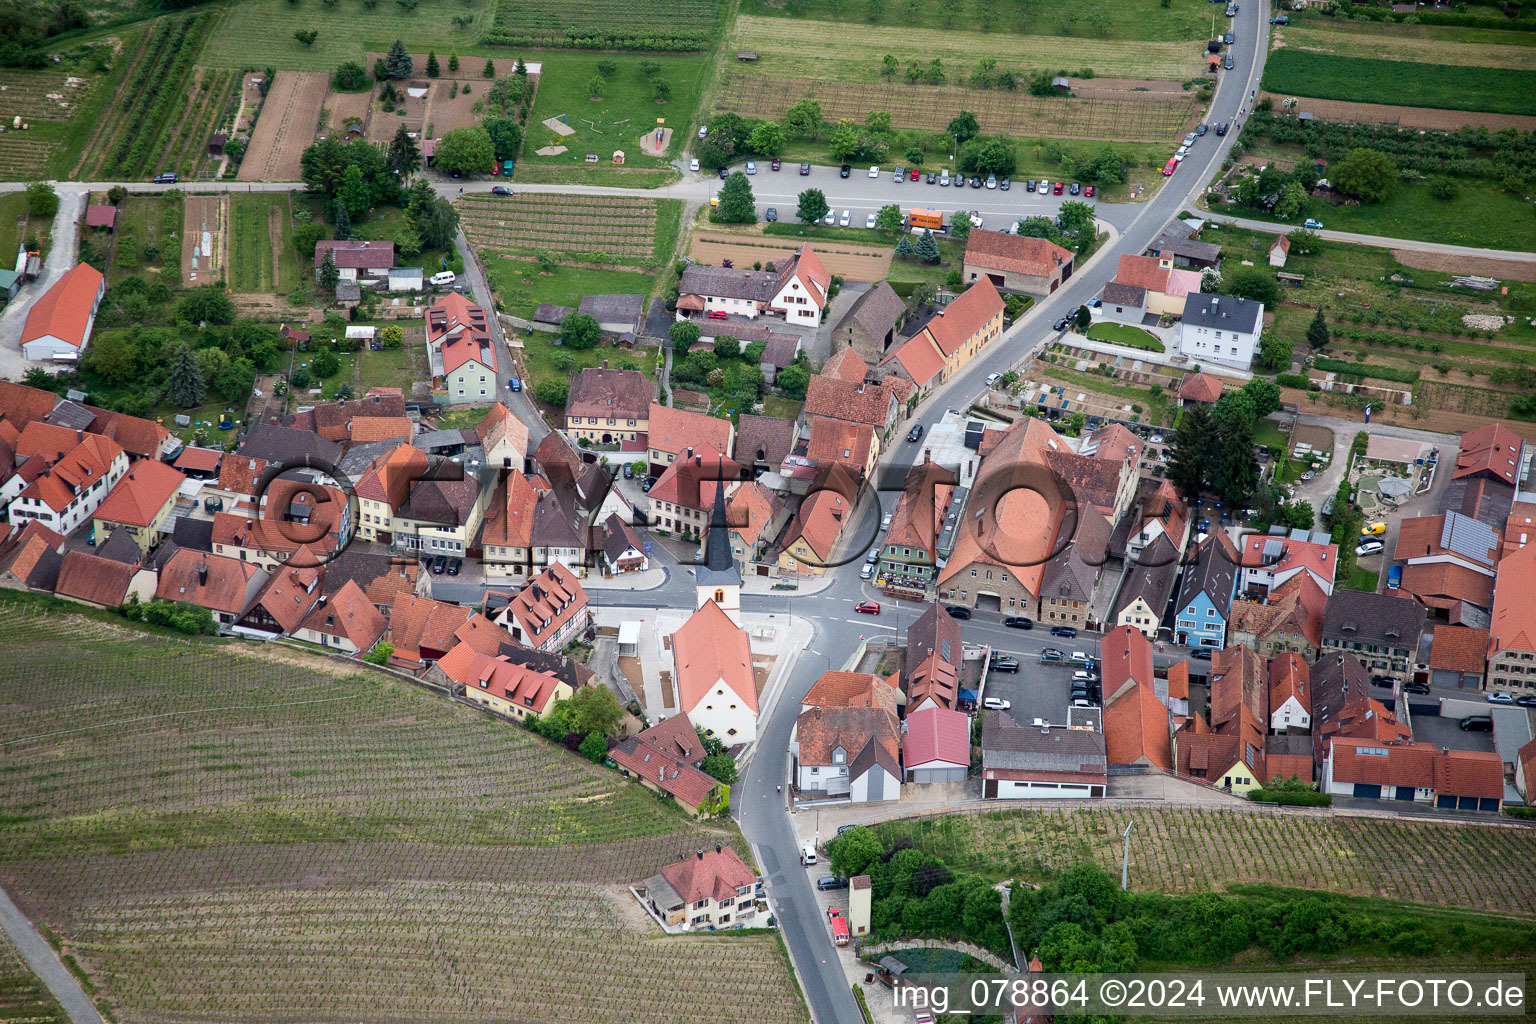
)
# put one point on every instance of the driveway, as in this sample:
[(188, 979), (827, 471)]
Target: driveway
[(61, 256)]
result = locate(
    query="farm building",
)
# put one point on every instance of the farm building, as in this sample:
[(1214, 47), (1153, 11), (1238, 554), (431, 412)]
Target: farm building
[(406, 279), (101, 215), (1016, 263), (357, 261), (797, 291), (59, 324), (615, 314), (869, 326)]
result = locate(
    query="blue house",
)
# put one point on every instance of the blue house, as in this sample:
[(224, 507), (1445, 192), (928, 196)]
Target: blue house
[(1205, 593)]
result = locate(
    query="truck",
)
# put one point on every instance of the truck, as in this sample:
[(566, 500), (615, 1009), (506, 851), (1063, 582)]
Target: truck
[(921, 219), (839, 926), (1394, 577)]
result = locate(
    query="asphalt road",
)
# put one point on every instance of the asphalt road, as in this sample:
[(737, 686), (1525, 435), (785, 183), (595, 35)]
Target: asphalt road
[(45, 963)]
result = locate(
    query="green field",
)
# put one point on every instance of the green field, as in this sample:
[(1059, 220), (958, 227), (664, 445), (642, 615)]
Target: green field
[(521, 287), (1097, 19), (254, 219), (260, 32), (606, 24), (362, 849), (627, 111), (1124, 334), (1369, 80), (13, 223), (1484, 48), (394, 368)]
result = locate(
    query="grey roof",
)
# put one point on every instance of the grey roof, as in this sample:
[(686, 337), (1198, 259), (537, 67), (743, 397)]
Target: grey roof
[(360, 456), (1073, 571), (934, 630), (405, 272), (874, 753), (45, 571), (445, 502), (71, 415), (436, 440), (730, 283), (1117, 294), (562, 668), (1223, 312), (120, 547), (621, 308), (1213, 573), (660, 892), (549, 313), (772, 436), (1151, 578), (348, 291), (780, 350), (1511, 731), (1366, 618), (554, 525), (1336, 680), (1007, 744), (877, 311), (719, 568), (1176, 229), (1186, 247), (287, 445), (618, 537), (1469, 538)]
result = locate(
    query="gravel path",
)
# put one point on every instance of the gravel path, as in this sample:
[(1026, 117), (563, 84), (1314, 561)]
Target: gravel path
[(40, 957)]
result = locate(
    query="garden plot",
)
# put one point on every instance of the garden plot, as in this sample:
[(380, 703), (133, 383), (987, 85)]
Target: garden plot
[(616, 227), (202, 249), (342, 110), (1408, 117), (285, 839), (23, 158), (850, 262), (39, 95), (1126, 117), (286, 126)]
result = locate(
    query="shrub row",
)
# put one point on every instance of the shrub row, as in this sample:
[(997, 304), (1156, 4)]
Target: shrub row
[(148, 115), (1392, 373), (590, 39)]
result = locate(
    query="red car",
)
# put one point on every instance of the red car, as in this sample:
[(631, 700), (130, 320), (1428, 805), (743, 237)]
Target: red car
[(718, 314), (1057, 188), (776, 163), (868, 607), (1088, 190), (916, 174)]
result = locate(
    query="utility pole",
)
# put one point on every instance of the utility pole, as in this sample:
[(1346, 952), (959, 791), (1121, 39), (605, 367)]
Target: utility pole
[(1125, 860)]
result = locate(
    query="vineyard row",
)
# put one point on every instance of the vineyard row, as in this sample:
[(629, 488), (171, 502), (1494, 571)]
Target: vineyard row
[(162, 87)]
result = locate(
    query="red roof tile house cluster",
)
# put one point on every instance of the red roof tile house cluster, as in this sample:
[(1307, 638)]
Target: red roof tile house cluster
[(140, 504), (666, 758), (63, 485), (796, 291), (1365, 768), (347, 620), (59, 324), (712, 889), (673, 432), (848, 751), (948, 342), (460, 350), (1016, 263), (549, 612), (1512, 628)]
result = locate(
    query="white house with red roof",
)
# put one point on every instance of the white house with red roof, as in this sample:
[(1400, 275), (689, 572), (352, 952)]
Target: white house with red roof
[(67, 492), (1270, 560), (59, 324), (549, 612), (797, 290), (712, 669), (710, 890), (802, 291), (460, 351)]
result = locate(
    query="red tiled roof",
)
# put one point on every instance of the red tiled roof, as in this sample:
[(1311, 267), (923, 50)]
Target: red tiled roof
[(226, 587), (1200, 387), (547, 602), (845, 364), (1143, 272), (509, 517), (1520, 526), (240, 474), (919, 357), (85, 464), (47, 441), (136, 435), (715, 875), (676, 737), (290, 595), (390, 476), (1513, 623), (708, 648), (20, 405), (840, 441), (851, 689), (820, 521), (1471, 773), (1136, 728), (141, 494), (967, 316), (97, 580), (350, 613), (379, 428), (201, 460), (1015, 254), (1441, 584), (1289, 676), (674, 431), (1458, 648), (420, 625), (846, 400), (1126, 653), (100, 215), (357, 255), (670, 774), (1494, 449), (937, 734), (64, 310)]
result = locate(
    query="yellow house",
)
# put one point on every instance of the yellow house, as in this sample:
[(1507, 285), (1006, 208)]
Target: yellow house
[(609, 406), (140, 504), (516, 691), (383, 488), (966, 326), (814, 533)]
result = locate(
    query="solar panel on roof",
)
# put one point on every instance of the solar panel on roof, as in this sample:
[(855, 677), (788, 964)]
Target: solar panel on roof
[(1468, 537)]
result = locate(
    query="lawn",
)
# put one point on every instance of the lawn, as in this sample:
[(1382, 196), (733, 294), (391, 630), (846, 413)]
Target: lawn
[(13, 223), (261, 32), (627, 111), (1179, 849), (1481, 215), (254, 217), (1488, 48), (1290, 71), (1361, 579), (779, 405), (1268, 433), (393, 368), (539, 356), (521, 286), (303, 820), (606, 24), (1105, 19), (1125, 334)]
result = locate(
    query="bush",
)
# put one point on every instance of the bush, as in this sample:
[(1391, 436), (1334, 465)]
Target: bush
[(350, 76), (183, 618), (594, 748), (552, 391), (379, 653), (1292, 792), (1294, 380)]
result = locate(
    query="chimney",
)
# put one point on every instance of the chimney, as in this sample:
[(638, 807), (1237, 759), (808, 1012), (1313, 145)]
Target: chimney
[(202, 574), (701, 853), (717, 848), (927, 455)]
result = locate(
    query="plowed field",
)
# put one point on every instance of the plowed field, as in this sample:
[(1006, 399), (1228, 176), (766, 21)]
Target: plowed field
[(286, 126)]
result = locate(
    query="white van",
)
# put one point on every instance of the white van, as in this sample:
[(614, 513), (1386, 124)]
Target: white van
[(444, 279), (808, 853)]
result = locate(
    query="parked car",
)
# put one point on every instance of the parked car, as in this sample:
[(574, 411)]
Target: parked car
[(1056, 188), (831, 882), (845, 170), (751, 167), (1076, 189), (1201, 654), (1189, 140), (1230, 37), (1313, 225), (1029, 186), (944, 179), (1221, 128), (1088, 191), (866, 571), (439, 564), (867, 608), (991, 181), (993, 378), (776, 164), (1044, 187), (1063, 323), (724, 173), (1525, 700), (454, 565), (1228, 65), (1414, 686), (807, 853), (869, 222), (874, 172), (647, 484), (442, 279), (165, 179), (1477, 723), (932, 177), (1018, 622), (1499, 698), (703, 130), (500, 190), (1375, 529), (873, 556), (976, 181), (1201, 129), (1231, 10), (770, 215), (1008, 664), (1171, 166), (885, 521), (805, 169), (916, 433), (1370, 547), (1387, 681), (956, 612), (514, 384), (1280, 19), (717, 314), (1063, 631), (915, 174), (845, 219), (1005, 184), (995, 704)]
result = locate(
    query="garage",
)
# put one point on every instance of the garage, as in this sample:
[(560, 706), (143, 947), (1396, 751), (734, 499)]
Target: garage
[(1404, 793), (1012, 789), (1366, 791), (988, 602)]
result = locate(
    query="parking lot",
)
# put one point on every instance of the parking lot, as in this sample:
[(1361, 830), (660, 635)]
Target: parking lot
[(1040, 690)]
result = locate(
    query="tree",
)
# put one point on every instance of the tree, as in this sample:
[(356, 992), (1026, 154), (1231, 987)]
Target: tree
[(437, 224), (1265, 395), (1083, 319), (683, 333), (1367, 174), (325, 364), (490, 67), (208, 304), (720, 767), (350, 76), (42, 200), (355, 194), (300, 379), (1275, 352), (185, 387), (853, 852), (890, 218), (904, 247), (235, 149), (432, 68), (793, 380), (1442, 187), (812, 206), (926, 249), (1235, 472), (845, 143), (465, 151), (580, 331), (595, 747), (595, 709), (1292, 196), (1193, 445), (661, 90), (1252, 284), (964, 127), (649, 68), (306, 36), (987, 156), (506, 136), (341, 220), (607, 68), (597, 85), (552, 391), (392, 336), (767, 138), (727, 347), (737, 205), (1297, 515), (804, 119), (1317, 331), (453, 63), (329, 275), (235, 382), (960, 224), (398, 61)]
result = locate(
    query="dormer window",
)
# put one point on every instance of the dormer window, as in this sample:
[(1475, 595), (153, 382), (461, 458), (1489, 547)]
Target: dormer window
[(839, 756)]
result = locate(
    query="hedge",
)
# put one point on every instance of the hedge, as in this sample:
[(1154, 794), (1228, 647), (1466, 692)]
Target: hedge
[(1391, 373), (1295, 380), (1294, 797)]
